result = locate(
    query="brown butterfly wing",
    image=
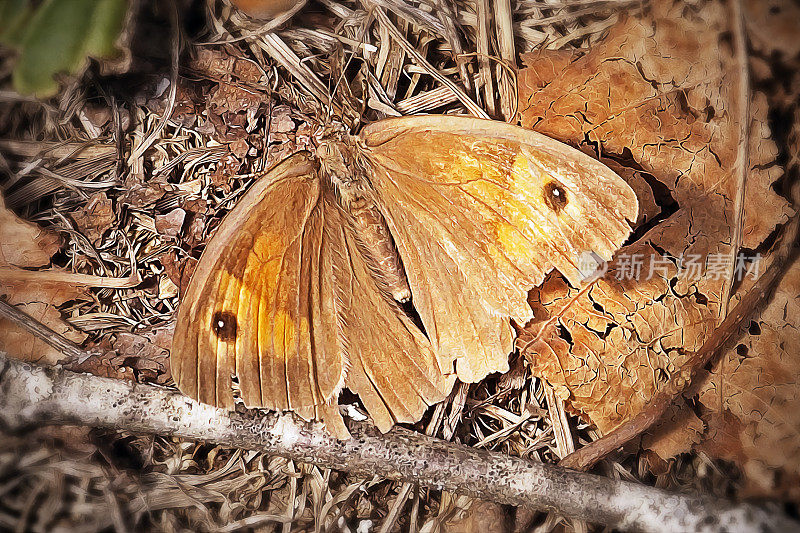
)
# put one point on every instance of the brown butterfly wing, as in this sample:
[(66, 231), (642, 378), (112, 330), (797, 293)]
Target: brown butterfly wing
[(391, 364), (481, 211), (283, 299), (260, 305)]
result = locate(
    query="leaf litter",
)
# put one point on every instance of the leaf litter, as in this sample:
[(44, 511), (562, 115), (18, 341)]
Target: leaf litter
[(655, 97), (659, 92)]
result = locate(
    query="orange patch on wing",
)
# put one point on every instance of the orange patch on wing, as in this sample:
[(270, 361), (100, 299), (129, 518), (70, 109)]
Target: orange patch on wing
[(505, 179)]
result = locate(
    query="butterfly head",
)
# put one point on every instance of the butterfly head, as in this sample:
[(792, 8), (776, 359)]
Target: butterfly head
[(335, 159)]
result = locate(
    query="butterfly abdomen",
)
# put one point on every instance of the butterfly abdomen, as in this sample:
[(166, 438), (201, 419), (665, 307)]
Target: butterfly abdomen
[(377, 245), (340, 167)]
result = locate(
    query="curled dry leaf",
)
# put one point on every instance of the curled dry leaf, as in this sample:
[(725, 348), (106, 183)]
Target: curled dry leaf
[(25, 245), (142, 195), (169, 224), (96, 217), (662, 92)]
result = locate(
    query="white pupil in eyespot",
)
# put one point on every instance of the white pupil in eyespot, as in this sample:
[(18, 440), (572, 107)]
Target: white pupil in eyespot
[(556, 192), (221, 324)]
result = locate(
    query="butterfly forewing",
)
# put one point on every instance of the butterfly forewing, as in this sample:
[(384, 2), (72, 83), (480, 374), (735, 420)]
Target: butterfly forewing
[(481, 211), (260, 305)]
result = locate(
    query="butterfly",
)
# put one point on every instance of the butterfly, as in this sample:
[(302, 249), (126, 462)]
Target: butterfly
[(390, 263)]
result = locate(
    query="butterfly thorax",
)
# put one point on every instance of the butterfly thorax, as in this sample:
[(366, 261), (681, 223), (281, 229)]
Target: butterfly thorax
[(346, 172)]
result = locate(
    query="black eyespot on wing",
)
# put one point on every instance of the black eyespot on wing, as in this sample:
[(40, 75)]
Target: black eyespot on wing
[(224, 325), (555, 196)]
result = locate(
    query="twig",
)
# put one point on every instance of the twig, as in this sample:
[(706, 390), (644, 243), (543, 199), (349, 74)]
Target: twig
[(39, 330), (31, 395), (742, 165), (751, 302)]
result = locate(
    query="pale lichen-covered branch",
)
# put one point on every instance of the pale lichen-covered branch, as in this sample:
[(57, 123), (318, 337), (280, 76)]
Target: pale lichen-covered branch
[(32, 395)]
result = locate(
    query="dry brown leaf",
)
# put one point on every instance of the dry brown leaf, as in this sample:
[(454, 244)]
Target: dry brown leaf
[(130, 356), (96, 217), (23, 244), (40, 301), (757, 383), (265, 9), (662, 92)]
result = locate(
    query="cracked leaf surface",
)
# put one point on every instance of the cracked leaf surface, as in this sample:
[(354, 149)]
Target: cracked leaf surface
[(660, 95)]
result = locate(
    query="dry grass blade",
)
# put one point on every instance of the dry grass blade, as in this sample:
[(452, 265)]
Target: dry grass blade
[(448, 17), (471, 106), (285, 56)]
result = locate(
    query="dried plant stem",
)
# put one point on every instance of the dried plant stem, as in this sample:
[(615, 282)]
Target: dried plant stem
[(31, 395), (10, 274), (503, 17), (412, 52), (742, 166), (558, 418), (484, 65), (36, 328), (751, 302), (447, 16)]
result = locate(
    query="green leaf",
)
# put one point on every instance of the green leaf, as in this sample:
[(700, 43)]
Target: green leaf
[(13, 15), (58, 37)]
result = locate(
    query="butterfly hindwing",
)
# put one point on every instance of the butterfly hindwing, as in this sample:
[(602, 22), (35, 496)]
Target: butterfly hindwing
[(391, 364)]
